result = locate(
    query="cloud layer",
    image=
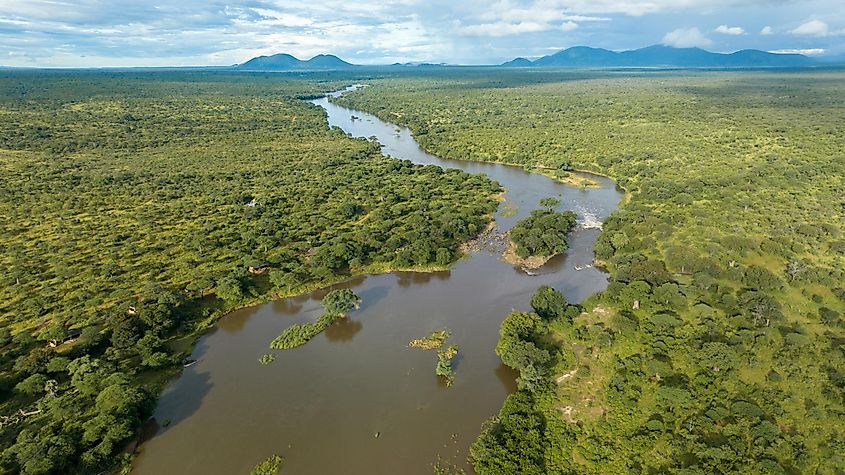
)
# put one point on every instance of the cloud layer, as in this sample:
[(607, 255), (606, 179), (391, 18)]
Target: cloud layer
[(217, 32)]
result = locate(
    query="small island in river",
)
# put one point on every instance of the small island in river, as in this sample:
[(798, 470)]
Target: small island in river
[(539, 237)]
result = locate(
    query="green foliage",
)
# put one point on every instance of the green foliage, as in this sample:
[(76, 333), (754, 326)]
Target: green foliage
[(431, 342), (512, 442), (34, 384), (296, 335), (270, 466), (519, 337), (543, 233), (445, 356), (716, 347), (444, 363), (550, 203), (338, 302), (131, 207), (548, 303)]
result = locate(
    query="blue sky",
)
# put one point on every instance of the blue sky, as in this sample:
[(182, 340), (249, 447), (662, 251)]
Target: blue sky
[(95, 33)]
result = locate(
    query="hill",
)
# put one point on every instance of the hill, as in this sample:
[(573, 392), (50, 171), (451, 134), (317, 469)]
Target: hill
[(662, 56), (286, 61)]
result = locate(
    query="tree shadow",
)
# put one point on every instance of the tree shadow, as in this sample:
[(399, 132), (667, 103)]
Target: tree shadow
[(288, 306), (181, 400), (507, 376), (235, 321), (407, 279), (344, 330), (372, 296)]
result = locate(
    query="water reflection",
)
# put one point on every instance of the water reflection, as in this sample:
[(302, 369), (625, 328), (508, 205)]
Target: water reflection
[(344, 330), (286, 306)]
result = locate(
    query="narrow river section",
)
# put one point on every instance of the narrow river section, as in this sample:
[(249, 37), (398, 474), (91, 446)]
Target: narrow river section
[(357, 399)]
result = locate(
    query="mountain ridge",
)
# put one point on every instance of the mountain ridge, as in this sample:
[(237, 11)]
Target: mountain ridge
[(655, 56), (663, 56), (284, 61)]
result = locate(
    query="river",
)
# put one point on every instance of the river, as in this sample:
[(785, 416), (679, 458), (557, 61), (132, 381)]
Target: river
[(356, 399)]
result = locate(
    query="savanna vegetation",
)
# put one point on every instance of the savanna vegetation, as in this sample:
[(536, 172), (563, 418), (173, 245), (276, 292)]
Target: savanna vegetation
[(133, 207), (719, 345)]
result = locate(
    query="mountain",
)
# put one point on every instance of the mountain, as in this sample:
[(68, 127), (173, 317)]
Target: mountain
[(286, 62), (579, 56), (833, 60), (518, 63), (663, 56)]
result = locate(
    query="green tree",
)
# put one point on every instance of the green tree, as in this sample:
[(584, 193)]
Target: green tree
[(340, 301), (548, 303), (550, 203), (230, 289), (33, 385)]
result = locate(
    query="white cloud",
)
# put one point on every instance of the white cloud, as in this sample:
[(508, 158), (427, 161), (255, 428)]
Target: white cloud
[(686, 38), (730, 30), (276, 18), (806, 52), (502, 28), (569, 26), (155, 32), (812, 28)]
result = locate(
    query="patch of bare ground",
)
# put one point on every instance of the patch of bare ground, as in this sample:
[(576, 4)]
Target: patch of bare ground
[(527, 263)]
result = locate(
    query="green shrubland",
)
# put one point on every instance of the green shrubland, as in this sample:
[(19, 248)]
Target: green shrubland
[(132, 206), (718, 345)]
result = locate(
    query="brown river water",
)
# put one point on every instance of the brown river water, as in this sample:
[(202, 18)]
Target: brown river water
[(357, 399)]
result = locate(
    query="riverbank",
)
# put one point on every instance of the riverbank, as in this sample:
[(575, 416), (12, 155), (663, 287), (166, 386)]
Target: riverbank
[(529, 263)]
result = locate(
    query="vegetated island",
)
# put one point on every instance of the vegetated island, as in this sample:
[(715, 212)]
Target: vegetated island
[(539, 237), (269, 466), (336, 304), (445, 356)]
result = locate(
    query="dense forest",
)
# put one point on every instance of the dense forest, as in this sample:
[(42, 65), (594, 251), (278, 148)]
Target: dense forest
[(135, 208), (719, 345)]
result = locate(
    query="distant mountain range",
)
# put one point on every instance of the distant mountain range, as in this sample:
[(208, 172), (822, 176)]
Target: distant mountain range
[(576, 57), (286, 62), (662, 56)]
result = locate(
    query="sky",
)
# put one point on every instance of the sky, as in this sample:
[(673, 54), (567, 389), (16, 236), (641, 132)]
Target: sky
[(119, 33)]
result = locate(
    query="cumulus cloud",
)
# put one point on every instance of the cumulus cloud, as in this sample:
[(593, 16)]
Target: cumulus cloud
[(767, 30), (730, 30), (686, 38), (811, 28), (201, 32), (806, 52)]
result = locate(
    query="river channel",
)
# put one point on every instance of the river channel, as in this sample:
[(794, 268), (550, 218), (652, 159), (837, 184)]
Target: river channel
[(356, 399)]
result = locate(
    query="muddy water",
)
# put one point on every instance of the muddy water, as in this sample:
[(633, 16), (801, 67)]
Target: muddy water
[(356, 399)]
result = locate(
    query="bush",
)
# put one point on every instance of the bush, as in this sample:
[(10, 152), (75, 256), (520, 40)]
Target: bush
[(268, 467)]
